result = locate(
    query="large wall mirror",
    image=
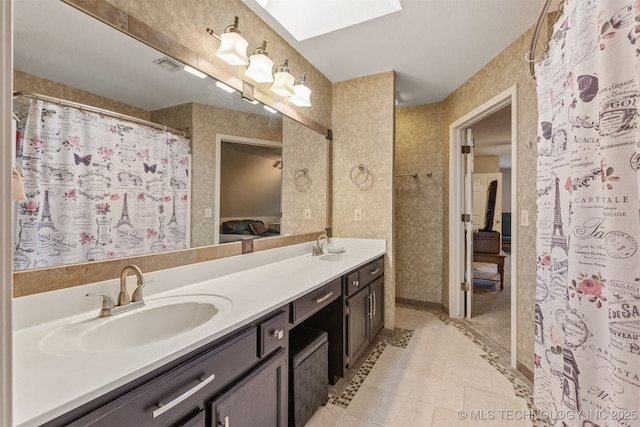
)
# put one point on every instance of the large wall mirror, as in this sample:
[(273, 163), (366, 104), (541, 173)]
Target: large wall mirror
[(64, 53)]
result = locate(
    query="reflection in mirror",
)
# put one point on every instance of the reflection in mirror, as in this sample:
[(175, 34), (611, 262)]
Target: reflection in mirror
[(62, 52)]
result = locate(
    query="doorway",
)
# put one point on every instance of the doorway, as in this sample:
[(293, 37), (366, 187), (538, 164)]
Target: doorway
[(248, 182), (457, 132), (490, 274)]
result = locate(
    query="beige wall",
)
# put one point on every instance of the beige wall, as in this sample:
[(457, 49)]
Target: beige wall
[(419, 238), (303, 149), (249, 184), (364, 133), (486, 164)]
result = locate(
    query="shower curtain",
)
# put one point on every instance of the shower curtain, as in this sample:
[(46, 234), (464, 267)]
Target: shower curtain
[(587, 312), (98, 187)]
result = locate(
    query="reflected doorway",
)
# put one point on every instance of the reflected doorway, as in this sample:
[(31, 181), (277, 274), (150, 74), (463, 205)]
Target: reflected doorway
[(249, 185)]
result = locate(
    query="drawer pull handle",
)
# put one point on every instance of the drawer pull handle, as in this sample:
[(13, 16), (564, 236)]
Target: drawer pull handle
[(278, 334), (324, 298), (164, 407), (374, 272), (374, 304), (226, 421)]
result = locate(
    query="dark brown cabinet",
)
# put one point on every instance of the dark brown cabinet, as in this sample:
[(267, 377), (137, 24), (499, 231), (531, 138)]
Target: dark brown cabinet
[(250, 361), (364, 308), (257, 400)]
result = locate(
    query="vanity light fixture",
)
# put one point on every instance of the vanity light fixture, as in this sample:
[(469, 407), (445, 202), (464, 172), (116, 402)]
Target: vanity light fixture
[(233, 47), (225, 87), (194, 71), (302, 96), (260, 66), (283, 84), (269, 109)]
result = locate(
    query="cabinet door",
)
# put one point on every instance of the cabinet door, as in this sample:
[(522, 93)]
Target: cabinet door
[(376, 294), (258, 400), (357, 325)]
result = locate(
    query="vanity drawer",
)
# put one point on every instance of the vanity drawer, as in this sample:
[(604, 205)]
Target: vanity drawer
[(272, 334), (352, 283), (179, 390), (371, 272), (307, 305)]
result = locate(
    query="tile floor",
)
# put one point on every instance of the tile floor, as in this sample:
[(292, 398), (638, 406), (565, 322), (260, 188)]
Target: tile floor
[(433, 374)]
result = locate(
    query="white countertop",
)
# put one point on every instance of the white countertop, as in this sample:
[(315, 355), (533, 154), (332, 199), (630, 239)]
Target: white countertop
[(48, 383)]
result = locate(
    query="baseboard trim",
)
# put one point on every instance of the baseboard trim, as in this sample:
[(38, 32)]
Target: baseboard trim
[(528, 373), (422, 304)]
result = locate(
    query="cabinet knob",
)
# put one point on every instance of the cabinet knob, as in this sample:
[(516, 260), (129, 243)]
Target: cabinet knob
[(278, 334), (356, 283)]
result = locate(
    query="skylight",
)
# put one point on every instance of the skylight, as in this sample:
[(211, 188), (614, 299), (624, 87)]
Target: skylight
[(311, 18)]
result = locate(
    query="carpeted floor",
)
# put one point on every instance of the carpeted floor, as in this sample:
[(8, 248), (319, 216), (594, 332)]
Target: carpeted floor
[(491, 311)]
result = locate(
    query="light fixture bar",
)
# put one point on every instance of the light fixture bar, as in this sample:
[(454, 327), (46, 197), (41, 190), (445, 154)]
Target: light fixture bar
[(225, 87), (195, 72), (269, 109)]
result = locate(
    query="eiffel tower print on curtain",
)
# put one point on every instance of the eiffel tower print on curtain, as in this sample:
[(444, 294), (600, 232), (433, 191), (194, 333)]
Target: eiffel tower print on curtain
[(45, 219), (124, 216), (558, 238)]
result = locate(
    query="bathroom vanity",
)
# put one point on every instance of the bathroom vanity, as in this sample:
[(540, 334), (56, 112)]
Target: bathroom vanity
[(230, 369)]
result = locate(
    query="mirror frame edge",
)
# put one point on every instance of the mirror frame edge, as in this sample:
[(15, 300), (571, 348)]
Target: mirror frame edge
[(66, 276)]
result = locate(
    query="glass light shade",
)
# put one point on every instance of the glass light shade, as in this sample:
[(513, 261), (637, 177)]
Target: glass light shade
[(233, 49), (283, 84), (260, 68), (302, 96)]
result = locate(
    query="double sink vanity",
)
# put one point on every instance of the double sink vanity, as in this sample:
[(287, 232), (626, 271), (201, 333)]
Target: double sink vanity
[(208, 346)]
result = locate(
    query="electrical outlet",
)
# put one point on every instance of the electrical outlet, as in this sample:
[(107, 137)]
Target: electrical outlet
[(207, 213), (307, 214), (357, 215), (524, 218)]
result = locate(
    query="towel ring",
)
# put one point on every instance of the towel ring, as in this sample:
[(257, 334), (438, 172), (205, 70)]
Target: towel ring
[(363, 171), (301, 178)]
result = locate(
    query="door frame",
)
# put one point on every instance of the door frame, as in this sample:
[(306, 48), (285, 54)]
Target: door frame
[(456, 205), (6, 207), (220, 138)]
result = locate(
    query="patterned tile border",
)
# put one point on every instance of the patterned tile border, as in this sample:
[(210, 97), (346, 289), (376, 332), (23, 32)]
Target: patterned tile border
[(350, 391), (520, 388)]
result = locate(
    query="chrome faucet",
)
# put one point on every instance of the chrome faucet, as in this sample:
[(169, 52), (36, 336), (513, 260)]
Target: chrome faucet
[(109, 307), (318, 249)]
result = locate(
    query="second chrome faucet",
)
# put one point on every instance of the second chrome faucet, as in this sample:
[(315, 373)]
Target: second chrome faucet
[(109, 306)]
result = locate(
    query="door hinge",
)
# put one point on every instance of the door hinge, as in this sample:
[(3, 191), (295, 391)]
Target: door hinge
[(465, 218), (347, 358), (466, 149), (346, 311), (464, 286)]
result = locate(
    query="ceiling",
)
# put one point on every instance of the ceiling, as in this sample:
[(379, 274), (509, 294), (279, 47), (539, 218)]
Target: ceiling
[(434, 46)]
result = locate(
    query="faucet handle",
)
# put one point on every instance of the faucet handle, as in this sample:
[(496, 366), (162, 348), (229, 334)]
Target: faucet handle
[(107, 301), (137, 293)]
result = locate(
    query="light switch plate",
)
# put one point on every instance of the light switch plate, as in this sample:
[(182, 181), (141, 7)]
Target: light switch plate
[(357, 215), (524, 218), (307, 214)]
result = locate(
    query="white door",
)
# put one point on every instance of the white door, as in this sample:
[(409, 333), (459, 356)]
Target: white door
[(480, 184), (468, 226)]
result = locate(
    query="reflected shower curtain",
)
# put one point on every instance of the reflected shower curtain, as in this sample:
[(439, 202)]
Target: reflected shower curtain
[(587, 313), (98, 187)]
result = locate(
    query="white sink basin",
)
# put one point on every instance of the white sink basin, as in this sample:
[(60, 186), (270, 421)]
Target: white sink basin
[(338, 256), (158, 320)]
